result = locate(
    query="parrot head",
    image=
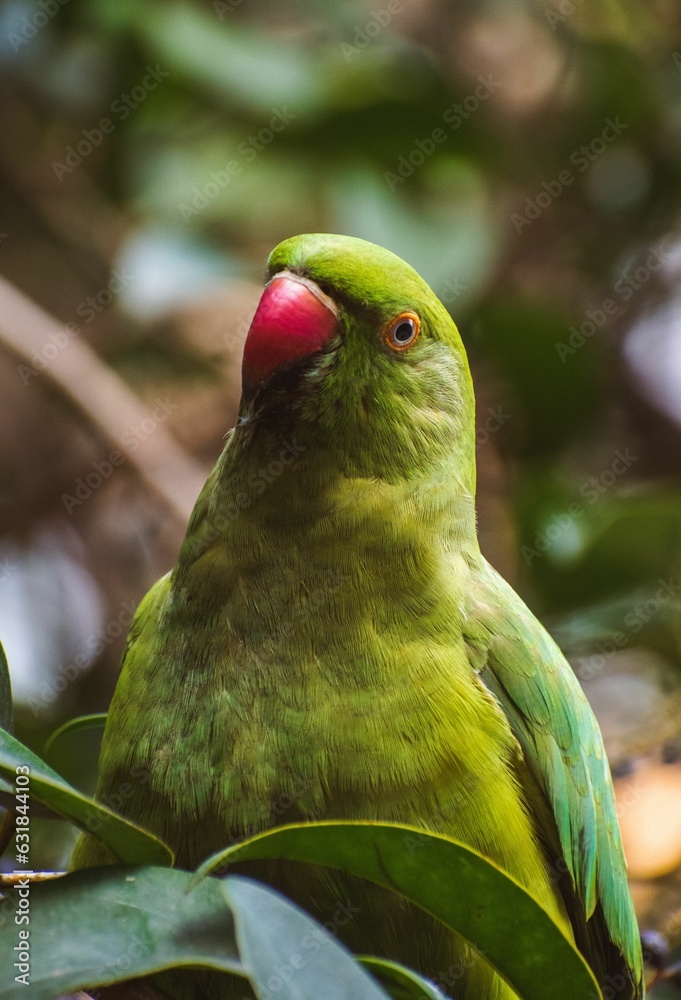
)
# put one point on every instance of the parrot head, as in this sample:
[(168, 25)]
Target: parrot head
[(352, 349)]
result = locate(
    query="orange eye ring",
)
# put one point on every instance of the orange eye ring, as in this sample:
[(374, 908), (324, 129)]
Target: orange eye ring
[(403, 331)]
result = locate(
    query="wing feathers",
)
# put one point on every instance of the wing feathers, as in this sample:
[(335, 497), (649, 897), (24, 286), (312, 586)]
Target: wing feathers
[(563, 747)]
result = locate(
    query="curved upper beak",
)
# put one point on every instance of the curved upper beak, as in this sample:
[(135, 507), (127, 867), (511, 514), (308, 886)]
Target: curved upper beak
[(294, 318)]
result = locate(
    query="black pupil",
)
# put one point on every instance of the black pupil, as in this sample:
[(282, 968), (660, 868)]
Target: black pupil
[(403, 332)]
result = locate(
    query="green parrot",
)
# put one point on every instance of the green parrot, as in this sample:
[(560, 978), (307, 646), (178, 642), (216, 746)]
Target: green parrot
[(332, 644)]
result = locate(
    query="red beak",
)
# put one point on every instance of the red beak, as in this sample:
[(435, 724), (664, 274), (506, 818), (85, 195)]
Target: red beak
[(294, 318)]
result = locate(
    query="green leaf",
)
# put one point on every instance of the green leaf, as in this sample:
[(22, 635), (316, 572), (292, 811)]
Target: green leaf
[(77, 725), (7, 722), (287, 952), (128, 842), (447, 879), (400, 982), (106, 925), (6, 711)]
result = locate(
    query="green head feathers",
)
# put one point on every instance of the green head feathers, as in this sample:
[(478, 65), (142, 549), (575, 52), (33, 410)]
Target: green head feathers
[(386, 390)]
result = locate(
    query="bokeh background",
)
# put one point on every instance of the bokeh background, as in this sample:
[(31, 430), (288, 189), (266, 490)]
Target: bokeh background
[(525, 157)]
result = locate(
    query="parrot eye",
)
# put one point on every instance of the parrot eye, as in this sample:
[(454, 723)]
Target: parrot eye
[(403, 331)]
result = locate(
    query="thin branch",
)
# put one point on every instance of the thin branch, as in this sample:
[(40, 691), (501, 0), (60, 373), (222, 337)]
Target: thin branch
[(12, 878), (104, 398)]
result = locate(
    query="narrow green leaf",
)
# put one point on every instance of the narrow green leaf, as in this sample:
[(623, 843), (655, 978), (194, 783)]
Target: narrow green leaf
[(7, 825), (6, 710), (400, 982), (7, 828), (289, 954), (128, 842), (106, 925), (449, 880), (76, 725)]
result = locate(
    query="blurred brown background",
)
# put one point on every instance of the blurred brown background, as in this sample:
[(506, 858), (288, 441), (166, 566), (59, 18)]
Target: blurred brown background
[(524, 157)]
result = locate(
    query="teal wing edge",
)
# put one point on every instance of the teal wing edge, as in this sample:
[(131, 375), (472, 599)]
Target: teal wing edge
[(563, 748)]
